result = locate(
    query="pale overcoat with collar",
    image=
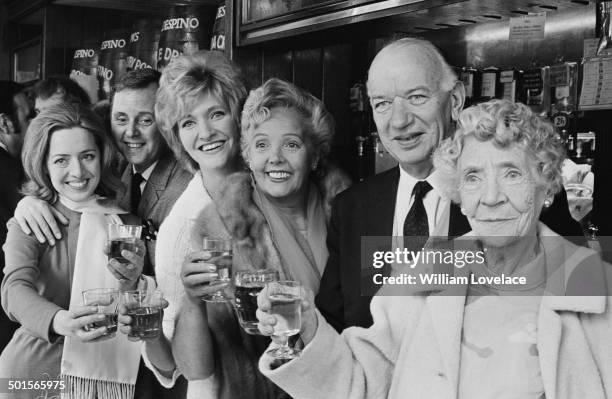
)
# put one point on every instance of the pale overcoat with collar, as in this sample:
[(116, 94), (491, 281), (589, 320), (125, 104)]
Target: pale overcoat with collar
[(367, 209), (413, 348)]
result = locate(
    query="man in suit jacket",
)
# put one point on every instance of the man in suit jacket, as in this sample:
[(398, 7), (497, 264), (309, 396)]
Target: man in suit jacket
[(159, 178), (415, 98), (14, 116)]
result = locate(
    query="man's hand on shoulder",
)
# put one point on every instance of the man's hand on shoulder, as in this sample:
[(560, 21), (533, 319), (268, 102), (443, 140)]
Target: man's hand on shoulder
[(38, 217)]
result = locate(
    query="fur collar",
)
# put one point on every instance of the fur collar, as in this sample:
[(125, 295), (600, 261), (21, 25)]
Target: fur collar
[(246, 223)]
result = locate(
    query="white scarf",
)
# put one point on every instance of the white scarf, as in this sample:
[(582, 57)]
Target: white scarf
[(105, 369)]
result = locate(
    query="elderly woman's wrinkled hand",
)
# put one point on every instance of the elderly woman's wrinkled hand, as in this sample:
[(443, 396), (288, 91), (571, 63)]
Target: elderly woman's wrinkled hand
[(124, 321), (267, 320), (129, 273), (197, 272)]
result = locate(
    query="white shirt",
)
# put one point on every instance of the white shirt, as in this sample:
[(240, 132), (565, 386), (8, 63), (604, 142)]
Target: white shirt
[(173, 245), (145, 175), (436, 205)]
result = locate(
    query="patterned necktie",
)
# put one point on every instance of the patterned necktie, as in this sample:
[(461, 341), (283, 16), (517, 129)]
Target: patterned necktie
[(135, 193), (416, 228)]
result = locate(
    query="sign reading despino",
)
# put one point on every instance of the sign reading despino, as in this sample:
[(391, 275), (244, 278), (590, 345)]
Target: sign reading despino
[(185, 31)]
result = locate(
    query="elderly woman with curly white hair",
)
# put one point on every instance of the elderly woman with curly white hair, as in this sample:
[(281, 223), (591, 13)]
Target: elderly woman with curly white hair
[(546, 337)]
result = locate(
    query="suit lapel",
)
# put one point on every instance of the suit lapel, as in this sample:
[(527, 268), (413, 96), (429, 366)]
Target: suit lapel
[(380, 208), (156, 184), (457, 223)]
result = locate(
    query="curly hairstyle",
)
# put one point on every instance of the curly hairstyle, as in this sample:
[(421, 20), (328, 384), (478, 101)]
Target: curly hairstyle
[(182, 83), (319, 128), (36, 150), (506, 123)]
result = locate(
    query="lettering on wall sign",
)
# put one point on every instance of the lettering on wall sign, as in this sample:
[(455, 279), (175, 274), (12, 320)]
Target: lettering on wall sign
[(180, 23), (115, 43)]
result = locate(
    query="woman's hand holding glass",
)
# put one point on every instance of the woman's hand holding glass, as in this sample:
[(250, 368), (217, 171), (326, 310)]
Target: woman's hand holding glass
[(77, 322), (199, 270), (221, 250), (95, 320), (270, 316), (141, 314)]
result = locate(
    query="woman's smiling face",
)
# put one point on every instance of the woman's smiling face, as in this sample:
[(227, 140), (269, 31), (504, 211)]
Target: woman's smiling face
[(280, 156), (209, 134), (74, 163)]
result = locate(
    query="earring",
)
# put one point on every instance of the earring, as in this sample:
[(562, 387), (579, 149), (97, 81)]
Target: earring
[(314, 165), (547, 203)]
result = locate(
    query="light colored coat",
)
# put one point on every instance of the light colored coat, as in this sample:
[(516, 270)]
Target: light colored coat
[(413, 348)]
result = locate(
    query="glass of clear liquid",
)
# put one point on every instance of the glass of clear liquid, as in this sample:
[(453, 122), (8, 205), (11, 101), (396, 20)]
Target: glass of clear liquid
[(107, 300), (221, 251), (286, 305)]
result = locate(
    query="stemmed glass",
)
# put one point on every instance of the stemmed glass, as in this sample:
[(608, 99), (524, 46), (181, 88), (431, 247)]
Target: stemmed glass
[(248, 284), (219, 248), (286, 305)]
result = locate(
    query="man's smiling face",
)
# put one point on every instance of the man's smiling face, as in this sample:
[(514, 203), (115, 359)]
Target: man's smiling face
[(134, 127), (411, 113)]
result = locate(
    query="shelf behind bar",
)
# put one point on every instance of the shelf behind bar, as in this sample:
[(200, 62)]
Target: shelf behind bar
[(343, 17)]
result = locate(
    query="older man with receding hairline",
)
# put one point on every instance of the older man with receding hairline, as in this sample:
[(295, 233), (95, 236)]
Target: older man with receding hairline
[(416, 99)]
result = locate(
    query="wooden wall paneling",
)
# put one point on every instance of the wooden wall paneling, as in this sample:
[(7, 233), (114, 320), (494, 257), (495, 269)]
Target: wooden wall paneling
[(250, 62), (75, 26), (336, 89), (278, 64), (53, 42), (7, 39), (308, 70)]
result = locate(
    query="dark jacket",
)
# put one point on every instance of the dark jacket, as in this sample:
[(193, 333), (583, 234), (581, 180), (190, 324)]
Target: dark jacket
[(166, 183), (367, 209)]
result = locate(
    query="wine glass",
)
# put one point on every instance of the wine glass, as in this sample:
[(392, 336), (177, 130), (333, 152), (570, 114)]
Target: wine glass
[(286, 305), (219, 248)]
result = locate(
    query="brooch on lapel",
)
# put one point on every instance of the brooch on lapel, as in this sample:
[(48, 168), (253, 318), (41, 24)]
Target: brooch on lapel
[(149, 231)]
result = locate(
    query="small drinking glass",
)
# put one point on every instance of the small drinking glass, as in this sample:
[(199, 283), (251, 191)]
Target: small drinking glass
[(219, 247), (286, 305), (120, 237), (248, 284), (107, 301), (146, 310)]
